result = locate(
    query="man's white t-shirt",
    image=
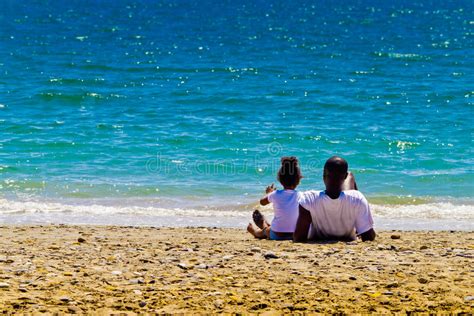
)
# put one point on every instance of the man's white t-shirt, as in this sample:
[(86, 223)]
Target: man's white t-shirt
[(286, 209), (343, 217)]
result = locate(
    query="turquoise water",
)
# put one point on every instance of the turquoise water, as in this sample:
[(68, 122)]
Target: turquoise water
[(154, 108)]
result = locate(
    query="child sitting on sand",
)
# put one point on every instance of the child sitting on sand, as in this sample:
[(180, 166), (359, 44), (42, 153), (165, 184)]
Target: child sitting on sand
[(285, 204)]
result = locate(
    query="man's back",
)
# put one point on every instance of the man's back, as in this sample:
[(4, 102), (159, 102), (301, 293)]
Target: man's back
[(337, 218)]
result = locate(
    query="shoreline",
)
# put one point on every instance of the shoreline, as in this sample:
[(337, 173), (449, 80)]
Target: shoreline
[(231, 222), (447, 215), (78, 269)]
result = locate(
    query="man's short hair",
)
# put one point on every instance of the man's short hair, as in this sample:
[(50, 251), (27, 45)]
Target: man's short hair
[(336, 166)]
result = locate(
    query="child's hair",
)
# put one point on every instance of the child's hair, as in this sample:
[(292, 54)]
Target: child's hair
[(289, 174)]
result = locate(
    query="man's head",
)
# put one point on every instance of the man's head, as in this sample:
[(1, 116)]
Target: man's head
[(335, 172)]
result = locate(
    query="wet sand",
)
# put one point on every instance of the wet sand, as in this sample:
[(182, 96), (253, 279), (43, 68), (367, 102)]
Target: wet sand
[(78, 269)]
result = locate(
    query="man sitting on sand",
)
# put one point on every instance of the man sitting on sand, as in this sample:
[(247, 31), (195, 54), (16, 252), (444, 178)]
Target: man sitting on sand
[(340, 212)]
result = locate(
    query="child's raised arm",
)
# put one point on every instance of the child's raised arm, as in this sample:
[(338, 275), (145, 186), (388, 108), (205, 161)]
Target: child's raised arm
[(264, 201)]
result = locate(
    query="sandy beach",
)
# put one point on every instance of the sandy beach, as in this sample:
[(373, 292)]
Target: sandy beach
[(78, 269)]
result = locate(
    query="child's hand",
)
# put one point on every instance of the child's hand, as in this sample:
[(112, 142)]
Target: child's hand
[(270, 189)]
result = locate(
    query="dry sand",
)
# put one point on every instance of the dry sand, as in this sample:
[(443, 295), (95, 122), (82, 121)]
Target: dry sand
[(78, 269)]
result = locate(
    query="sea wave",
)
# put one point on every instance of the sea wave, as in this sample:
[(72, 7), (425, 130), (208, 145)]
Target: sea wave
[(431, 210), (443, 210)]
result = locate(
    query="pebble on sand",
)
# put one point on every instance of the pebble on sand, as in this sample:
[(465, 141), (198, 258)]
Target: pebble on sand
[(73, 310), (219, 303), (255, 249), (270, 255), (422, 280), (201, 266), (137, 281)]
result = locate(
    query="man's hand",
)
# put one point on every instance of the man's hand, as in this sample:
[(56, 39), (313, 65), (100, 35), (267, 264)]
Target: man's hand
[(302, 225), (270, 189), (368, 235)]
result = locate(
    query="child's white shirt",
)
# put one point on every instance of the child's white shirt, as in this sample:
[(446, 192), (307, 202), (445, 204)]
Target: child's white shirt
[(285, 207)]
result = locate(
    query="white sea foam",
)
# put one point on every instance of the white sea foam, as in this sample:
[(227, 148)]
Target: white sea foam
[(436, 215), (30, 207), (439, 210)]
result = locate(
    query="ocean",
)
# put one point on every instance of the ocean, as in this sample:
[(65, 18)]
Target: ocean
[(176, 113)]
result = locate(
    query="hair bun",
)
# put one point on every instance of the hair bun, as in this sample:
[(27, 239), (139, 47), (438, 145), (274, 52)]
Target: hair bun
[(289, 174), (290, 160)]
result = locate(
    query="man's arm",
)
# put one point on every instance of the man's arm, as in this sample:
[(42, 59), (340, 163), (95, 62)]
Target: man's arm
[(302, 225), (368, 235), (364, 221)]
